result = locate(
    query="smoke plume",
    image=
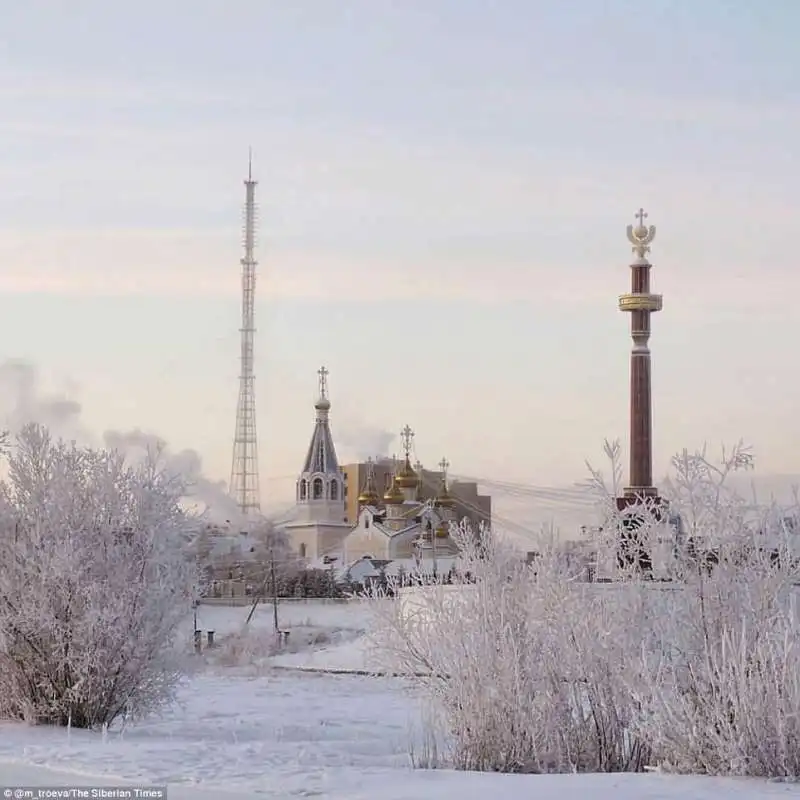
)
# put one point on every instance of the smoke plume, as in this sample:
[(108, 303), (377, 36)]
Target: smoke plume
[(23, 400), (362, 441), (185, 464)]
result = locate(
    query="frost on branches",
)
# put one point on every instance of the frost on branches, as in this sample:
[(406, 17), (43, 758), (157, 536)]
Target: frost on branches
[(94, 583), (687, 657), (516, 675), (719, 682)]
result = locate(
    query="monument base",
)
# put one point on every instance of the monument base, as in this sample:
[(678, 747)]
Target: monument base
[(632, 550)]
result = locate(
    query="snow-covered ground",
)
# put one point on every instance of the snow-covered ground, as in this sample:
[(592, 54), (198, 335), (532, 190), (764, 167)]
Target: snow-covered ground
[(291, 733), (350, 616)]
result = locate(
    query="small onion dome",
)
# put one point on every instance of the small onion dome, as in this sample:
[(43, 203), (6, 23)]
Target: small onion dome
[(368, 496), (323, 404), (393, 496), (406, 477), (443, 498), (442, 531)]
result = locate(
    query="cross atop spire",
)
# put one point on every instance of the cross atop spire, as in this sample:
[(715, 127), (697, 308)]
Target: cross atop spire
[(323, 382), (407, 438), (444, 465), (641, 215)]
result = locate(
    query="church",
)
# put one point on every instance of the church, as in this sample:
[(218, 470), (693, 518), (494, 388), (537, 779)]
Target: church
[(393, 524)]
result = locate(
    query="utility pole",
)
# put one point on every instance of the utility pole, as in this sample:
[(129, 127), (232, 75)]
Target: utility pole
[(274, 590), (433, 553), (270, 575)]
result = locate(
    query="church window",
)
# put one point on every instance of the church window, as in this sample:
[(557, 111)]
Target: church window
[(303, 489), (366, 522), (321, 455), (334, 490), (317, 489), (303, 550)]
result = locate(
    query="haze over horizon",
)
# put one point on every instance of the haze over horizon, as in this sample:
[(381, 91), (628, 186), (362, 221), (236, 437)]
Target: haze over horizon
[(444, 190)]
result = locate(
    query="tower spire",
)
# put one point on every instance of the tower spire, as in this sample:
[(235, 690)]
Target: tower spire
[(244, 485)]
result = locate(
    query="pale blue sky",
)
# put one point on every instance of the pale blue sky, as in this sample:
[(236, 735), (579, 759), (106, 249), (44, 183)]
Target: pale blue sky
[(444, 190)]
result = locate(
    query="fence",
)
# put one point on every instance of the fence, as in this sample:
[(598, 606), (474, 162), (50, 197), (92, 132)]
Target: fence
[(240, 600)]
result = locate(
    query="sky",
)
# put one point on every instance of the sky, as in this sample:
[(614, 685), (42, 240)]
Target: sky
[(444, 187)]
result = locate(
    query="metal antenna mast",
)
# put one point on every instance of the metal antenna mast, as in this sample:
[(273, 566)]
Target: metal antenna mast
[(244, 486)]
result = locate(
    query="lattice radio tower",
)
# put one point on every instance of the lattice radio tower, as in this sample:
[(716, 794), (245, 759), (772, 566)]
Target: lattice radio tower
[(244, 485)]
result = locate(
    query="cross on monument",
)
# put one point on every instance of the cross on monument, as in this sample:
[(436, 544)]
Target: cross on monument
[(323, 381), (641, 216), (445, 465)]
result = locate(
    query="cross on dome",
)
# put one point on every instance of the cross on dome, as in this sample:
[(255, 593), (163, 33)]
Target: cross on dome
[(407, 437)]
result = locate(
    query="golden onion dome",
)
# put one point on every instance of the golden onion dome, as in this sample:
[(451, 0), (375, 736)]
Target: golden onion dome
[(393, 496), (368, 496), (442, 531), (406, 477), (443, 498)]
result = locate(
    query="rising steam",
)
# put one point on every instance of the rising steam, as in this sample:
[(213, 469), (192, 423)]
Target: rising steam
[(23, 400), (362, 441)]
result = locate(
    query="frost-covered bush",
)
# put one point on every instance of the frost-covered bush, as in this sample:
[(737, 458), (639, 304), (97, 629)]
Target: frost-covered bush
[(94, 582), (719, 683), (688, 657), (516, 662)]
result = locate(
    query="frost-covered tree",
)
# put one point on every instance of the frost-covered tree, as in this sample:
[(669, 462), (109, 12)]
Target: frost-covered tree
[(95, 580)]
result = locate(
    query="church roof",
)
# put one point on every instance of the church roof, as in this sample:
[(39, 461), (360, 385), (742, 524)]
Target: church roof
[(321, 456)]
